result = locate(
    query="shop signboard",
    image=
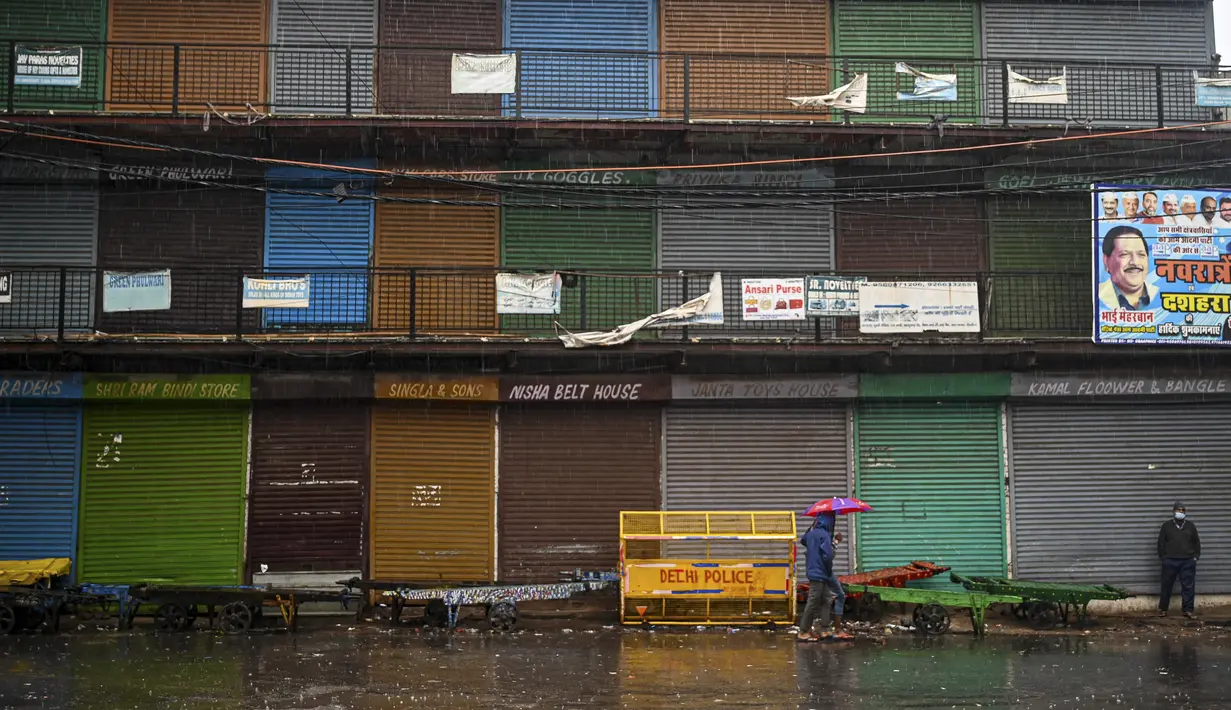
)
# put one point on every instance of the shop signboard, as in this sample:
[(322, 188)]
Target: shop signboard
[(1042, 385), (437, 387), (919, 306), (834, 295), (40, 385), (47, 66), (137, 291), (276, 293), (1162, 265), (722, 388), (167, 387), (6, 286), (586, 388), (773, 299)]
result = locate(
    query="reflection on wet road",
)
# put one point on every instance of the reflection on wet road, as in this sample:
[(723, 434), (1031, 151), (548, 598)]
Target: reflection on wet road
[(375, 669)]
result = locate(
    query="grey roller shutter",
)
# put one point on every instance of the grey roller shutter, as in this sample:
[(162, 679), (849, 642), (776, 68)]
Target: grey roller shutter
[(44, 227), (1092, 483), (313, 79), (1043, 36), (756, 458), (745, 242)]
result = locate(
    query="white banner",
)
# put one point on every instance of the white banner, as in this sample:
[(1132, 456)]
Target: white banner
[(712, 314), (851, 97), (484, 73), (276, 293), (528, 293), (1024, 90), (624, 333), (6, 287), (136, 291), (919, 306)]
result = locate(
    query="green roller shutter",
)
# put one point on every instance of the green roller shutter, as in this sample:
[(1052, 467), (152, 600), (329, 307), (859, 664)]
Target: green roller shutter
[(617, 242), (933, 472), (56, 23), (938, 36), (1040, 257), (163, 492)]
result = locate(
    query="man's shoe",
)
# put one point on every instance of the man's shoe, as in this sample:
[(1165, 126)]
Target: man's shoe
[(1189, 615), (1162, 614)]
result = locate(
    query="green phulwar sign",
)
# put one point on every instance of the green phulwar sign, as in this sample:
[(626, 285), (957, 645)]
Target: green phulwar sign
[(48, 66)]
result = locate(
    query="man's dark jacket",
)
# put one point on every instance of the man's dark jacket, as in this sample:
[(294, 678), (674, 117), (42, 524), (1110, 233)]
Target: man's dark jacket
[(1178, 540)]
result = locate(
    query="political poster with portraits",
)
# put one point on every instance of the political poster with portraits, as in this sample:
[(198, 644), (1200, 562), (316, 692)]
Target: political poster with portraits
[(1162, 267)]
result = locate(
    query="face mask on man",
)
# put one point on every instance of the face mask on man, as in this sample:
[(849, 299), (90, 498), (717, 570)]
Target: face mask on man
[(1179, 515)]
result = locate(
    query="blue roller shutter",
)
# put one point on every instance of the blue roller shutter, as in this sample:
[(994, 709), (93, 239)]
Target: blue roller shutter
[(38, 476), (597, 81), (318, 236)]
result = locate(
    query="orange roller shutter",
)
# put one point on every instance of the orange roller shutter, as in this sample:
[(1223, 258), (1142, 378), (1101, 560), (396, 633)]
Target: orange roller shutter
[(453, 250), (212, 69), (744, 87), (432, 492)]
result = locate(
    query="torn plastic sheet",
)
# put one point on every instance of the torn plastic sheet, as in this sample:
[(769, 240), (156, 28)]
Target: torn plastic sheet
[(928, 87), (622, 334), (851, 97)]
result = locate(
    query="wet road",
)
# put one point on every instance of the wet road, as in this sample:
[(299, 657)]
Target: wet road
[(378, 669)]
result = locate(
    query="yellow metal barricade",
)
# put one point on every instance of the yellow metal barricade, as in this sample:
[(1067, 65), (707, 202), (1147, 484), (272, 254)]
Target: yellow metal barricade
[(707, 567)]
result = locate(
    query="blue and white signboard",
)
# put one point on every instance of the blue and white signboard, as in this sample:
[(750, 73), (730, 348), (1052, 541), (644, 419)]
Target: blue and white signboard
[(919, 306), (40, 385), (136, 291), (276, 293), (1214, 92)]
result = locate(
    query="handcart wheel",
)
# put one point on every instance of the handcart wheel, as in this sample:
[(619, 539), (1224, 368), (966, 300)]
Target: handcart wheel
[(170, 617), (1043, 615), (932, 619), (869, 608), (8, 619), (32, 617), (236, 618), (191, 617), (502, 616), (436, 613)]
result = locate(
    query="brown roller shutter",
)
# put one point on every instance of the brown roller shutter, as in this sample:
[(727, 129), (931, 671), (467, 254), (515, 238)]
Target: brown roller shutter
[(453, 296), (309, 483), (941, 236), (206, 237), (744, 87), (565, 475), (140, 78), (412, 80), (432, 492)]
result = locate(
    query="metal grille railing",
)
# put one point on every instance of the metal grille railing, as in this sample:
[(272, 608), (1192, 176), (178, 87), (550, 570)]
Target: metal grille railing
[(53, 302), (371, 80)]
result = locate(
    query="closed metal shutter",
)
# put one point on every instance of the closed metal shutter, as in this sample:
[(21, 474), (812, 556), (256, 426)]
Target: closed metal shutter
[(311, 76), (941, 236), (743, 88), (331, 242), (594, 241), (1043, 35), (590, 83), (38, 480), (756, 458), (565, 475), (933, 473), (1025, 302), (433, 489), (461, 245), (208, 238), (418, 81), (743, 243), (162, 493), (1089, 497), (57, 22), (928, 35), (141, 73), (309, 486), (48, 226)]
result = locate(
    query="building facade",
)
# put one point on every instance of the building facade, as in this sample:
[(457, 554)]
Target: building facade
[(398, 419)]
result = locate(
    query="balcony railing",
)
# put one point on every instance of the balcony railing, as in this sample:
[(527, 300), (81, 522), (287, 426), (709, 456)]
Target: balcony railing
[(324, 80), (66, 303)]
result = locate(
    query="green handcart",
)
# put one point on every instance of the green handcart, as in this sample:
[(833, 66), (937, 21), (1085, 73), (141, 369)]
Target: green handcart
[(931, 615), (1045, 604)]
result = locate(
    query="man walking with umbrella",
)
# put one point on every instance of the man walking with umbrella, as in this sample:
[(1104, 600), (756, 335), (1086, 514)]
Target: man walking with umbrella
[(824, 588)]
